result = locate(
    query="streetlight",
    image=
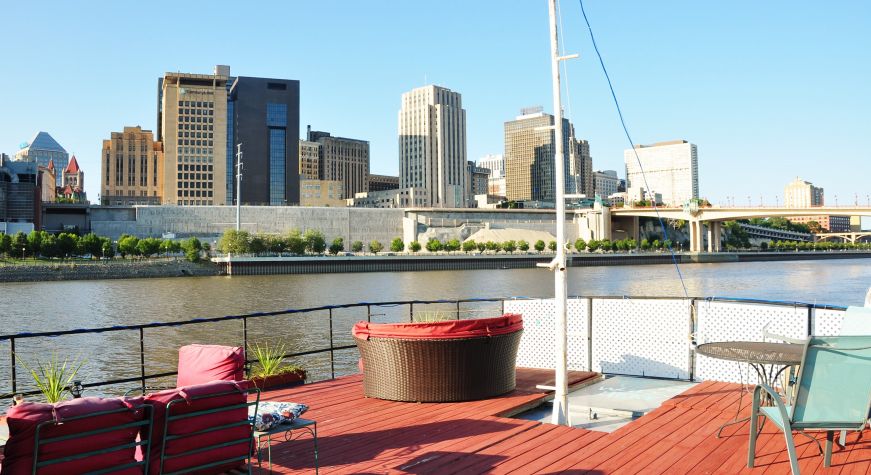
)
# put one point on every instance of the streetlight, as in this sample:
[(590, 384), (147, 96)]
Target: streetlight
[(23, 248)]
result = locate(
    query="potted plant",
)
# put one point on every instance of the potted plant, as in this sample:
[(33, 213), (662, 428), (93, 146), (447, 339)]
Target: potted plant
[(270, 370), (53, 377)]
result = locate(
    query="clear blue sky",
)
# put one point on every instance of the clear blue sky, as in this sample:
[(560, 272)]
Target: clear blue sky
[(767, 90)]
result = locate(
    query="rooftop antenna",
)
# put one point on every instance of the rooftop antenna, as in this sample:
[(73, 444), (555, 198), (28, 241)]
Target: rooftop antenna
[(239, 187)]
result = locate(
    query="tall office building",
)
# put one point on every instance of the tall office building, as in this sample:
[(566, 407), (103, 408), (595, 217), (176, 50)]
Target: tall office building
[(530, 170), (309, 160), (477, 181), (605, 183), (43, 148), (496, 181), (192, 124), (432, 145), (132, 169), (343, 159), (671, 170), (265, 120), (802, 194), (581, 166), (19, 192)]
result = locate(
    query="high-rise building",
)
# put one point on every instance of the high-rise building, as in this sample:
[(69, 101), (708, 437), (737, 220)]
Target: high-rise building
[(265, 120), (671, 170), (343, 159), (581, 166), (605, 183), (477, 182), (432, 145), (192, 124), (132, 169), (494, 163), (309, 160), (802, 194), (530, 170), (43, 149), (19, 192), (383, 182), (73, 182)]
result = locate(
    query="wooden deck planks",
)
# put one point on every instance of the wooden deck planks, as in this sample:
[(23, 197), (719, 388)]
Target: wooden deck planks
[(360, 435)]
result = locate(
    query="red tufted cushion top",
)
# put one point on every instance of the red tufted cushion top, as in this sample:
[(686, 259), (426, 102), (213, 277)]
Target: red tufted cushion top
[(508, 323)]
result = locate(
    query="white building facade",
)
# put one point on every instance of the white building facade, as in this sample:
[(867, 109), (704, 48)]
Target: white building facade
[(605, 183), (802, 194), (671, 170), (432, 145)]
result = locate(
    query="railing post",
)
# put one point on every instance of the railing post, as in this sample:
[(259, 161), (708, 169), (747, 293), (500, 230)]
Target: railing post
[(692, 356), (590, 334), (810, 320), (458, 309), (332, 353), (411, 312), (142, 358), (368, 313), (12, 367)]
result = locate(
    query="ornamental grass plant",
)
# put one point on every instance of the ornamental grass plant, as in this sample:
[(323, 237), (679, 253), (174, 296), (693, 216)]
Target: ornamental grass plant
[(54, 376)]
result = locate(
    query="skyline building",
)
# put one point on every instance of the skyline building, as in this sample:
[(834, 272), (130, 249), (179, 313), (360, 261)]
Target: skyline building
[(383, 182), (342, 159), (264, 118), (309, 160), (132, 168), (432, 146), (671, 170), (192, 124), (529, 157), (605, 183), (581, 165), (19, 193), (496, 164), (42, 149), (478, 179), (802, 194)]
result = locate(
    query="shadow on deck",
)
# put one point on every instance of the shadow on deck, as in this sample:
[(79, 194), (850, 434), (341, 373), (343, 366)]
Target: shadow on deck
[(361, 435)]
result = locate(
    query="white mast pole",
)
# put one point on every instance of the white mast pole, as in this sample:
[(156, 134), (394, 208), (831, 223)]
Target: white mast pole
[(239, 187), (560, 401)]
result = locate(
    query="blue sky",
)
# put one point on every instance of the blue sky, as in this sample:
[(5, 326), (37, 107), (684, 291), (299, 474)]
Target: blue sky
[(767, 90)]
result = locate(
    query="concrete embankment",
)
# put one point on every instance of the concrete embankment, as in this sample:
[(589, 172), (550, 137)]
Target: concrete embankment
[(105, 270)]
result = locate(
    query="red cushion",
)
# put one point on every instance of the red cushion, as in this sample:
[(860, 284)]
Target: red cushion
[(198, 364), (24, 418), (508, 323), (197, 423)]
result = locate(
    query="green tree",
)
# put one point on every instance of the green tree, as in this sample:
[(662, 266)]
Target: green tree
[(49, 247), (234, 242), (19, 244), (593, 245), (453, 245), (645, 245), (5, 244), (357, 246), (414, 246), (469, 246), (539, 245), (667, 244), (275, 243), (396, 245), (106, 249), (433, 245), (68, 244), (552, 245), (482, 246), (509, 246), (580, 245), (34, 240), (631, 244), (315, 242), (127, 245), (91, 244), (257, 244), (605, 244), (522, 245), (295, 243), (192, 248), (375, 247), (337, 246), (148, 247), (656, 244)]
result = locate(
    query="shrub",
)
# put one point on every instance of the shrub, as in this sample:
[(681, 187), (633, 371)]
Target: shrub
[(491, 246), (452, 245), (482, 246), (53, 377), (314, 241), (396, 245), (593, 245), (469, 246), (539, 245), (294, 242), (127, 245), (523, 245), (509, 246), (552, 245), (337, 246), (357, 246), (235, 242), (580, 245), (375, 247), (192, 248), (270, 360), (433, 245), (414, 246)]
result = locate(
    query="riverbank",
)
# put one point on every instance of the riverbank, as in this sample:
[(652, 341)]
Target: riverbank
[(97, 270)]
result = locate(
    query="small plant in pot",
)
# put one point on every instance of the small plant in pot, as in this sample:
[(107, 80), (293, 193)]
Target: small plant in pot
[(53, 377), (270, 370)]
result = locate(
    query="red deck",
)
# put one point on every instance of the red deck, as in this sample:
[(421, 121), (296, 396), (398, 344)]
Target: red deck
[(360, 435)]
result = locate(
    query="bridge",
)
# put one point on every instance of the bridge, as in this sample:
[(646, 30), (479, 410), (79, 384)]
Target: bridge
[(776, 234), (602, 222), (853, 236)]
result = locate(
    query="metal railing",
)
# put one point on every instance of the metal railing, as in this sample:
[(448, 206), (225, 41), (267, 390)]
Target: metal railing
[(140, 331)]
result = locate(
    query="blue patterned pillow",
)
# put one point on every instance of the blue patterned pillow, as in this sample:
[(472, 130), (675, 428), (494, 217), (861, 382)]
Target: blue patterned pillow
[(272, 413)]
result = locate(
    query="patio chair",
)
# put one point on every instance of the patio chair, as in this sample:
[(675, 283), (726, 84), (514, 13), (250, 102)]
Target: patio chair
[(86, 435), (833, 393), (203, 428)]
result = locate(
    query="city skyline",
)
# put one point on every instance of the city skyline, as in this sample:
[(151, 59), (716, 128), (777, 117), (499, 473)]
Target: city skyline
[(756, 88)]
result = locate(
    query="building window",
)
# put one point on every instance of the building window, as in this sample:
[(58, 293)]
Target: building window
[(276, 115), (277, 138)]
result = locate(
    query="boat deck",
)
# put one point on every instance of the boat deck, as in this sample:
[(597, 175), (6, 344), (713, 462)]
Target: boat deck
[(362, 435)]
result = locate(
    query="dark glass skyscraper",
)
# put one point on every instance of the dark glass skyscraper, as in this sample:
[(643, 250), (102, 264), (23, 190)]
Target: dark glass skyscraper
[(265, 120)]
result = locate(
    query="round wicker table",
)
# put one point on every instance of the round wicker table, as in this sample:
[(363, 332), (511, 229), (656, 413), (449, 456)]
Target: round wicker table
[(768, 359)]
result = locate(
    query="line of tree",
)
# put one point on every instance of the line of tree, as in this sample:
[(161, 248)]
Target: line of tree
[(42, 244), (815, 246), (294, 242)]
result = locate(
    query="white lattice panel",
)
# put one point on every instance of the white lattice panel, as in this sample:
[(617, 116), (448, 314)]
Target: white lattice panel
[(827, 322), (537, 344), (645, 337), (730, 321)]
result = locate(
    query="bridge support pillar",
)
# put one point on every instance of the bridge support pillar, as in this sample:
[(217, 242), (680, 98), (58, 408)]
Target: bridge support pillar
[(714, 236), (696, 240)]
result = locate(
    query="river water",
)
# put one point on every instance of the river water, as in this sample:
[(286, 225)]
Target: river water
[(43, 306)]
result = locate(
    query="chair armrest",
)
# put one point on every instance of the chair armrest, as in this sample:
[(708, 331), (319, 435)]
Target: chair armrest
[(774, 397)]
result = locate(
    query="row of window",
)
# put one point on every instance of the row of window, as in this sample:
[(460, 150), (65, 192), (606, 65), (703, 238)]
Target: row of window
[(197, 135), (196, 104), (195, 176), (202, 120), (193, 184), (196, 112), (194, 168), (201, 143), (196, 193), (195, 127)]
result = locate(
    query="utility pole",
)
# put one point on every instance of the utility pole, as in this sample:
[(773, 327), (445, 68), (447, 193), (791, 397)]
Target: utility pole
[(239, 187)]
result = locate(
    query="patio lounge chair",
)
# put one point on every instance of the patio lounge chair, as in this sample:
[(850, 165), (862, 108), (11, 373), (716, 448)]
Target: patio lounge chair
[(86, 435), (833, 393)]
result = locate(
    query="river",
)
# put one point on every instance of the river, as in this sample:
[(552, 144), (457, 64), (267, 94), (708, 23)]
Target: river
[(43, 306)]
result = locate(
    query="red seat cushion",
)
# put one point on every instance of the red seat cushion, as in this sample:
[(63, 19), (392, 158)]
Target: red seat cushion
[(189, 402), (199, 364), (508, 323), (24, 418)]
